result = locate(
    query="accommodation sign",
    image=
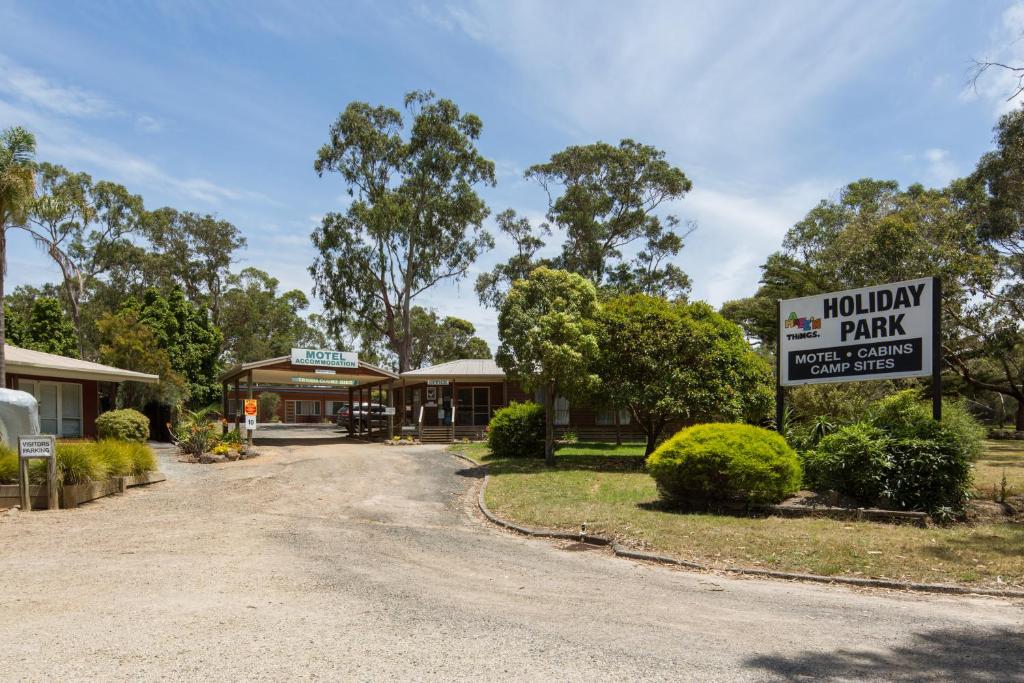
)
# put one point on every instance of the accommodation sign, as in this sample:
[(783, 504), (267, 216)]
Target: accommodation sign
[(879, 332), (325, 358)]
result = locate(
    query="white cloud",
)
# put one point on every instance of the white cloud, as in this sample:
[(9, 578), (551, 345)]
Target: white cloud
[(997, 84), (941, 168), (148, 124), (31, 87)]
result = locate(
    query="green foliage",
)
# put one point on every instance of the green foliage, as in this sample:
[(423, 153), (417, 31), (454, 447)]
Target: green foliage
[(415, 219), (141, 456), (126, 424), (609, 198), (232, 437), (268, 403), (258, 322), (8, 465), (900, 457), (720, 463), (517, 431), (77, 463), (127, 342), (548, 332), (678, 361), (491, 287), (439, 340), (195, 433), (46, 328)]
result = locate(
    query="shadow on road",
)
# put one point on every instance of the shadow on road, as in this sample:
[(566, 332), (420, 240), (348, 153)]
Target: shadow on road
[(946, 655), (304, 441), (472, 472)]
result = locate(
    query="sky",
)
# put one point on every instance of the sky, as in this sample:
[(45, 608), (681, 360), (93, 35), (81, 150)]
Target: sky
[(220, 107)]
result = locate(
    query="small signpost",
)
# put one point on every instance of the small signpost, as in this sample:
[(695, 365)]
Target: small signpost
[(250, 409), (881, 332), (37, 447)]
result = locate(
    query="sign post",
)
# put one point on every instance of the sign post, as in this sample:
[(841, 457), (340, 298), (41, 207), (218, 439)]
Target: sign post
[(250, 409), (881, 332), (37, 447)]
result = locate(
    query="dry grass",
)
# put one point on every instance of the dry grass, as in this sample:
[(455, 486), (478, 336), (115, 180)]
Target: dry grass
[(607, 489), (1001, 457)]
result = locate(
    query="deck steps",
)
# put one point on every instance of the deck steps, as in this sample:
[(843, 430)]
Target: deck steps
[(436, 435)]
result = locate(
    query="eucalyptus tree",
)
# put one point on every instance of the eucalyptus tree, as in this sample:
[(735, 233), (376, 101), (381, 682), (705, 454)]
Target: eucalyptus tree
[(492, 286), (606, 198), (17, 187), (87, 228), (415, 219)]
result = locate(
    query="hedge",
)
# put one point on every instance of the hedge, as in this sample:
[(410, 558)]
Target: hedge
[(125, 424), (517, 431), (724, 462)]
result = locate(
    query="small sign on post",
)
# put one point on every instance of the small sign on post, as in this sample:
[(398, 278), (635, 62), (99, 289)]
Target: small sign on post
[(250, 408), (37, 447)]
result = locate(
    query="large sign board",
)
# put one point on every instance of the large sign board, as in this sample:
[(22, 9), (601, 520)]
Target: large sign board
[(325, 358), (879, 332)]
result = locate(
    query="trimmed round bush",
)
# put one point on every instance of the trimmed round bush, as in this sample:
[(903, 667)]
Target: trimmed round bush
[(853, 461), (517, 431), (717, 463), (125, 424)]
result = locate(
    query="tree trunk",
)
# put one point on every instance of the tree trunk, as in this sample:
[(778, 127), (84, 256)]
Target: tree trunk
[(1020, 412), (549, 426), (618, 427), (3, 316)]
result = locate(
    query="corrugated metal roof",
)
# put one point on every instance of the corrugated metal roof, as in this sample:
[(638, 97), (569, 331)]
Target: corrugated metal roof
[(25, 361), (467, 367)]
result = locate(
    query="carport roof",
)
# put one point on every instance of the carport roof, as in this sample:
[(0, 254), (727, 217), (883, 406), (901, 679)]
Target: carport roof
[(281, 371)]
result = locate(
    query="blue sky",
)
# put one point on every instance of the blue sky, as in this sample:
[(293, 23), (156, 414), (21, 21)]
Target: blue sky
[(768, 107)]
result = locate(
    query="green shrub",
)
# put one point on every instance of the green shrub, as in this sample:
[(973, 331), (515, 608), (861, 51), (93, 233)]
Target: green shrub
[(8, 465), (77, 463), (712, 463), (900, 457), (195, 434), (232, 438), (142, 457), (517, 431), (126, 425), (853, 461), (115, 456), (268, 403)]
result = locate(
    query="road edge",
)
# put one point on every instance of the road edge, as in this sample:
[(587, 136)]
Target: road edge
[(621, 551)]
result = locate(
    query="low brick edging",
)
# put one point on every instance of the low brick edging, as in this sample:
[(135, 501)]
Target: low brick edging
[(622, 551)]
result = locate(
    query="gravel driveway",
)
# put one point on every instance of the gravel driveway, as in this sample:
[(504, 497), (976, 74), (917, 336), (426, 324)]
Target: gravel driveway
[(363, 562)]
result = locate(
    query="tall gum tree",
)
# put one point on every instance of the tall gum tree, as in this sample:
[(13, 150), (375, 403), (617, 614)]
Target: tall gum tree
[(607, 197), (415, 219)]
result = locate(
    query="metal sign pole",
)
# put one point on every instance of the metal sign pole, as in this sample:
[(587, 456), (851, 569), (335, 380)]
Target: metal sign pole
[(780, 392)]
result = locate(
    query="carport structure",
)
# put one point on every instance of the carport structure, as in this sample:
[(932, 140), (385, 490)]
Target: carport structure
[(316, 386)]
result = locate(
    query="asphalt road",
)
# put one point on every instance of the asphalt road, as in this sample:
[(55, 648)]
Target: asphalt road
[(357, 562)]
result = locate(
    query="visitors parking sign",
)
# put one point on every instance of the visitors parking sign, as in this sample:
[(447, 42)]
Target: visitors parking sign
[(879, 332)]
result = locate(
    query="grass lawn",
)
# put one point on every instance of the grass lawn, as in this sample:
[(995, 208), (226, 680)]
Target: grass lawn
[(1001, 457), (606, 488)]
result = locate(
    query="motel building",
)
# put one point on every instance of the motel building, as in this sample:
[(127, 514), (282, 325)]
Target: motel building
[(71, 392), (441, 403)]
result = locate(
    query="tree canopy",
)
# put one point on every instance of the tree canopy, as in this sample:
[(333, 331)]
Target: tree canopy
[(548, 331), (415, 219), (679, 362)]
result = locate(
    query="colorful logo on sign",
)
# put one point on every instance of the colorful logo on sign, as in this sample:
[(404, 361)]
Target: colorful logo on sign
[(806, 324)]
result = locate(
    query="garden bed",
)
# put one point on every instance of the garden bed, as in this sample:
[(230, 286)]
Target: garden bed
[(73, 495), (606, 488)]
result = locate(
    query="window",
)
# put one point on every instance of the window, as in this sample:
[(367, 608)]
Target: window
[(606, 417), (561, 411), (309, 408), (60, 406), (474, 407), (334, 407)]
